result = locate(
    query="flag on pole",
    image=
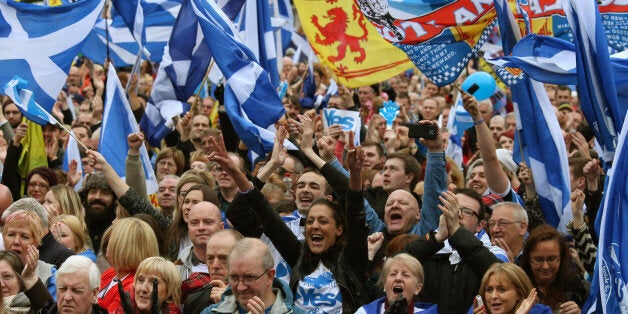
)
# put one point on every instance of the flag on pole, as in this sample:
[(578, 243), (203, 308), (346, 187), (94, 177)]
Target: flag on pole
[(459, 120), (258, 35), (609, 292), (133, 15), (23, 99), (185, 61), (598, 98), (348, 44), (538, 134), (39, 43), (117, 123), (251, 101)]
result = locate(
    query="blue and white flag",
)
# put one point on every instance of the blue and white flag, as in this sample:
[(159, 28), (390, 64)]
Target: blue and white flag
[(538, 134), (598, 98), (257, 32), (39, 43), (251, 101), (72, 152), (609, 291), (25, 102), (159, 17), (185, 61), (117, 123), (459, 120), (133, 15)]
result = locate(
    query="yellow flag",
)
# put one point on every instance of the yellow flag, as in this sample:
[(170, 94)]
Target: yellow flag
[(346, 42), (33, 150)]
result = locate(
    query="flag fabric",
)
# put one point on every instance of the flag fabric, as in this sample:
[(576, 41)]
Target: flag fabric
[(251, 101), (539, 140), (348, 44), (33, 150), (185, 61), (133, 15), (39, 43), (23, 99), (258, 35), (72, 152), (598, 98), (609, 292), (231, 8), (117, 123), (439, 36), (159, 17), (459, 120)]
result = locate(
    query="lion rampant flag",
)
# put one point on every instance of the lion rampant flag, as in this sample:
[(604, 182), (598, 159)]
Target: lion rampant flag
[(345, 41)]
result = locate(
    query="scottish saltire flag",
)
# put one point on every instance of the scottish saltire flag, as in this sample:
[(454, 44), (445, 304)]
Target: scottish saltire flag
[(159, 17), (258, 35), (598, 96), (539, 134), (39, 43), (439, 36), (185, 61), (609, 291), (458, 121), (117, 123), (72, 152), (348, 44), (133, 15), (250, 98), (25, 102)]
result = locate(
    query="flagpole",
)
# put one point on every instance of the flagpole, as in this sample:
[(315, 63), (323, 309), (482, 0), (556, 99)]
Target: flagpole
[(106, 15), (203, 83)]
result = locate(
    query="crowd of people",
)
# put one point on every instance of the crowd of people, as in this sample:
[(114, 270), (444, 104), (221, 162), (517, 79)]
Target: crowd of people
[(375, 222)]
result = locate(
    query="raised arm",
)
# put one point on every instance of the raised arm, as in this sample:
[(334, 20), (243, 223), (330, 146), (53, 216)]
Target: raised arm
[(135, 177), (495, 177), (278, 156)]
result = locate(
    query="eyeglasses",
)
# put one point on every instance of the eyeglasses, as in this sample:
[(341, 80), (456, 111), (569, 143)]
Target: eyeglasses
[(501, 224), (8, 277), (42, 186), (542, 260), (468, 212), (166, 163), (234, 280)]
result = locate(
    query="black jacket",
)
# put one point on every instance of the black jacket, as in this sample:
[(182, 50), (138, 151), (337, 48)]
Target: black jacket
[(348, 263), (53, 252), (452, 287)]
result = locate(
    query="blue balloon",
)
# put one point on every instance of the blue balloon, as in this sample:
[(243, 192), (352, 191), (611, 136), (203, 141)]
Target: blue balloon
[(479, 84)]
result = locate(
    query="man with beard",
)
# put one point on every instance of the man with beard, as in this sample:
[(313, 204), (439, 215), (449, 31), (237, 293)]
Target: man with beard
[(100, 203)]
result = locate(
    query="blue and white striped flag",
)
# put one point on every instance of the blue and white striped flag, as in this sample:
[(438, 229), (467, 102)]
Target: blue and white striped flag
[(133, 15), (598, 98), (609, 289), (459, 120), (257, 32), (185, 61), (159, 17), (250, 98), (117, 123), (25, 102), (539, 134), (39, 43)]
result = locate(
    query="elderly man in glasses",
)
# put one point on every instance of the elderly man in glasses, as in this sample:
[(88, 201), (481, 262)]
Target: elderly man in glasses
[(252, 284), (508, 226)]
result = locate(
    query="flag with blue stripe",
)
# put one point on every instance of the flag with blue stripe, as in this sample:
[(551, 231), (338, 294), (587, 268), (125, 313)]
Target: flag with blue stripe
[(459, 121), (250, 98), (39, 43), (25, 102), (133, 15), (538, 134), (598, 98), (72, 152), (257, 32), (117, 123), (609, 291), (159, 17), (185, 61)]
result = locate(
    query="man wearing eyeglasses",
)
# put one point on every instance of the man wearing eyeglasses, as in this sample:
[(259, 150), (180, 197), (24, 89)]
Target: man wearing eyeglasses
[(252, 284), (507, 227)]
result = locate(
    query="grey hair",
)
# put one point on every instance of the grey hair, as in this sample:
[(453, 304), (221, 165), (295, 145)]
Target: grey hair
[(248, 246), (520, 213), (78, 263), (28, 204)]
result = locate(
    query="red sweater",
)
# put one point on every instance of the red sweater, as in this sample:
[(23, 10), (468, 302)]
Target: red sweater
[(111, 300)]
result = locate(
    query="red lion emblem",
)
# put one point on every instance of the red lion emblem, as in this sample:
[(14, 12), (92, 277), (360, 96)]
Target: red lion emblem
[(336, 31)]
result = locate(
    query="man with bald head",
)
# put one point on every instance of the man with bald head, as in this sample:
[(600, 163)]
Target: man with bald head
[(204, 219)]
